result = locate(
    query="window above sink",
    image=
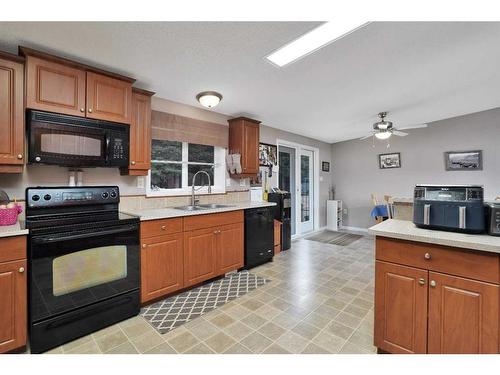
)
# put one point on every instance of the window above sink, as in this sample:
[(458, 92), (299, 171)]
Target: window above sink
[(174, 163)]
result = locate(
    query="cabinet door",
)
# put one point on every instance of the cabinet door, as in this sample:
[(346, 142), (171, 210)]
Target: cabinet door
[(463, 315), (400, 308), (230, 248), (13, 302), (250, 155), (54, 87), (161, 266), (140, 133), (11, 114), (108, 98), (200, 256)]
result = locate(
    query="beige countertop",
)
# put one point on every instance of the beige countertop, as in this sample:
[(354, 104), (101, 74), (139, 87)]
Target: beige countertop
[(170, 212), (13, 230), (396, 200), (406, 230)]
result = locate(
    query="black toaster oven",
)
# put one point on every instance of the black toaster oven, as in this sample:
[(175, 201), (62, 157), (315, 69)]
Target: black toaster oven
[(493, 218)]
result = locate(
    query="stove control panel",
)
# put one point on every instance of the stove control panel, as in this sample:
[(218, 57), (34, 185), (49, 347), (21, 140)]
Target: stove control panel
[(39, 197)]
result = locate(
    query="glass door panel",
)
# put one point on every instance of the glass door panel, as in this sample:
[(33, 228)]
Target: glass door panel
[(286, 178), (306, 191)]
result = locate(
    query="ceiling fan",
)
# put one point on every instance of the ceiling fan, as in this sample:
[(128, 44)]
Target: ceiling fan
[(383, 129)]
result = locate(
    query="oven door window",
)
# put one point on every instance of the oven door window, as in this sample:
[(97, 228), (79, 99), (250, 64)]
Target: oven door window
[(88, 268), (76, 269)]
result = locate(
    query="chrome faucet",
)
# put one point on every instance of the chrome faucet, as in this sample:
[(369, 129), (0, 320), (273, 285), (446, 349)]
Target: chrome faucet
[(193, 200)]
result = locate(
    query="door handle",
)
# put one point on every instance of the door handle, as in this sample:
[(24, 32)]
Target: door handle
[(421, 281), (461, 217), (432, 284), (427, 214)]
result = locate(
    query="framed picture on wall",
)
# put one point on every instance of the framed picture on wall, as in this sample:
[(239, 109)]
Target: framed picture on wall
[(268, 154), (325, 166), (463, 160), (389, 161)]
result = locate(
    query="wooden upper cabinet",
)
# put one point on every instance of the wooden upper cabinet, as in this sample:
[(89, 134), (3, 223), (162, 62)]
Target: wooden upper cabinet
[(463, 315), (244, 136), (230, 247), (11, 114), (200, 256), (140, 133), (161, 266), (400, 308), (108, 98), (54, 87), (59, 85)]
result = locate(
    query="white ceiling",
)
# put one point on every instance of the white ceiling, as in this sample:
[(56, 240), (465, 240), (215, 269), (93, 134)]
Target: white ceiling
[(418, 71)]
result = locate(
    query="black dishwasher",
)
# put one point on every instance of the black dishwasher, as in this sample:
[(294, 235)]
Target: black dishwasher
[(259, 236)]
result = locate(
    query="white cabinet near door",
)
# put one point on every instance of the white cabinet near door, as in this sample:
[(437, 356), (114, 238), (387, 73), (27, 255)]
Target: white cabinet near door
[(333, 215)]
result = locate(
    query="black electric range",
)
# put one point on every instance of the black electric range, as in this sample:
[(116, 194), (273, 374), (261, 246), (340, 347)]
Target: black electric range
[(84, 263)]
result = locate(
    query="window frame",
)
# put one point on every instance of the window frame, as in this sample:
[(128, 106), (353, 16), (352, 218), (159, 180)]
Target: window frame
[(219, 175)]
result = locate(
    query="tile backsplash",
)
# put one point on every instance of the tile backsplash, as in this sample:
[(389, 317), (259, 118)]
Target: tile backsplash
[(131, 203)]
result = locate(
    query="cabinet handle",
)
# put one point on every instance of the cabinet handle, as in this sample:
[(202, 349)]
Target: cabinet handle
[(82, 109), (144, 245), (163, 227), (421, 281), (90, 110), (21, 269), (19, 156), (427, 256), (132, 162), (432, 284)]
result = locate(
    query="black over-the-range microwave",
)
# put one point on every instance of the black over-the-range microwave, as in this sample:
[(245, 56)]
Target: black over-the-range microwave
[(75, 141)]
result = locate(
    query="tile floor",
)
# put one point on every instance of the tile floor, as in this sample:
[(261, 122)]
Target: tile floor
[(320, 300)]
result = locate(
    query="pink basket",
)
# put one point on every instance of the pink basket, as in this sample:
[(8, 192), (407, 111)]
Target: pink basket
[(8, 216)]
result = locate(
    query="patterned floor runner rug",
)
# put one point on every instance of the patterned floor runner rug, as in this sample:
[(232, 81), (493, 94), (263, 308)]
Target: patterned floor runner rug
[(177, 310)]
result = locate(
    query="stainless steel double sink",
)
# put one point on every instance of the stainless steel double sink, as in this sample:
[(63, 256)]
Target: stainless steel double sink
[(201, 207)]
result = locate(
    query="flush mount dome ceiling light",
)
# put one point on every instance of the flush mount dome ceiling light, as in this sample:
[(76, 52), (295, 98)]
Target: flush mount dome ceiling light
[(209, 99)]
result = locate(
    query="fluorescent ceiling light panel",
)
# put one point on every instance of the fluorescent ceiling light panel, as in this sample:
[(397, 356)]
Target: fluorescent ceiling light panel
[(313, 41)]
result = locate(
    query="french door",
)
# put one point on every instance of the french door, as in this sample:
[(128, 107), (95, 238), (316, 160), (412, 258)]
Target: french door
[(298, 175)]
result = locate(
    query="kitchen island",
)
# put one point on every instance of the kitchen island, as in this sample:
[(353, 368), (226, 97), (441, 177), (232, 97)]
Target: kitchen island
[(435, 292)]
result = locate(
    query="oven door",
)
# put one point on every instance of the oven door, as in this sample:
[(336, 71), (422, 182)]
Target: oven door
[(76, 269), (67, 145)]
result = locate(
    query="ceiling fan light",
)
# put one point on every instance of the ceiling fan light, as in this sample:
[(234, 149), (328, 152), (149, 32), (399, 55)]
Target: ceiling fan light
[(383, 135), (209, 99)]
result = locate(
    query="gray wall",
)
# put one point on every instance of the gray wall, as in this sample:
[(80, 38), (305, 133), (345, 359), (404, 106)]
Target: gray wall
[(270, 135), (356, 173)]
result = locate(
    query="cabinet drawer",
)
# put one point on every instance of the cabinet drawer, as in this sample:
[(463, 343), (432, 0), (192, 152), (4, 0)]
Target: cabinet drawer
[(161, 227), (454, 261), (12, 248), (212, 220)]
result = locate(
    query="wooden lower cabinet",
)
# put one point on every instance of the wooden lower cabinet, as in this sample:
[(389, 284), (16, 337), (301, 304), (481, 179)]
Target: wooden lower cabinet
[(200, 256), (400, 308), (13, 293), (428, 310), (463, 315), (229, 248), (162, 266), (181, 252)]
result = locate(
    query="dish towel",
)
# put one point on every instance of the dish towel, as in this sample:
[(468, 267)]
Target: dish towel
[(229, 164), (237, 163)]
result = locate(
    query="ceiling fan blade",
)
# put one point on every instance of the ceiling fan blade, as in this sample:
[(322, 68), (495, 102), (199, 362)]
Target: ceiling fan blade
[(417, 126), (398, 133), (366, 136)]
